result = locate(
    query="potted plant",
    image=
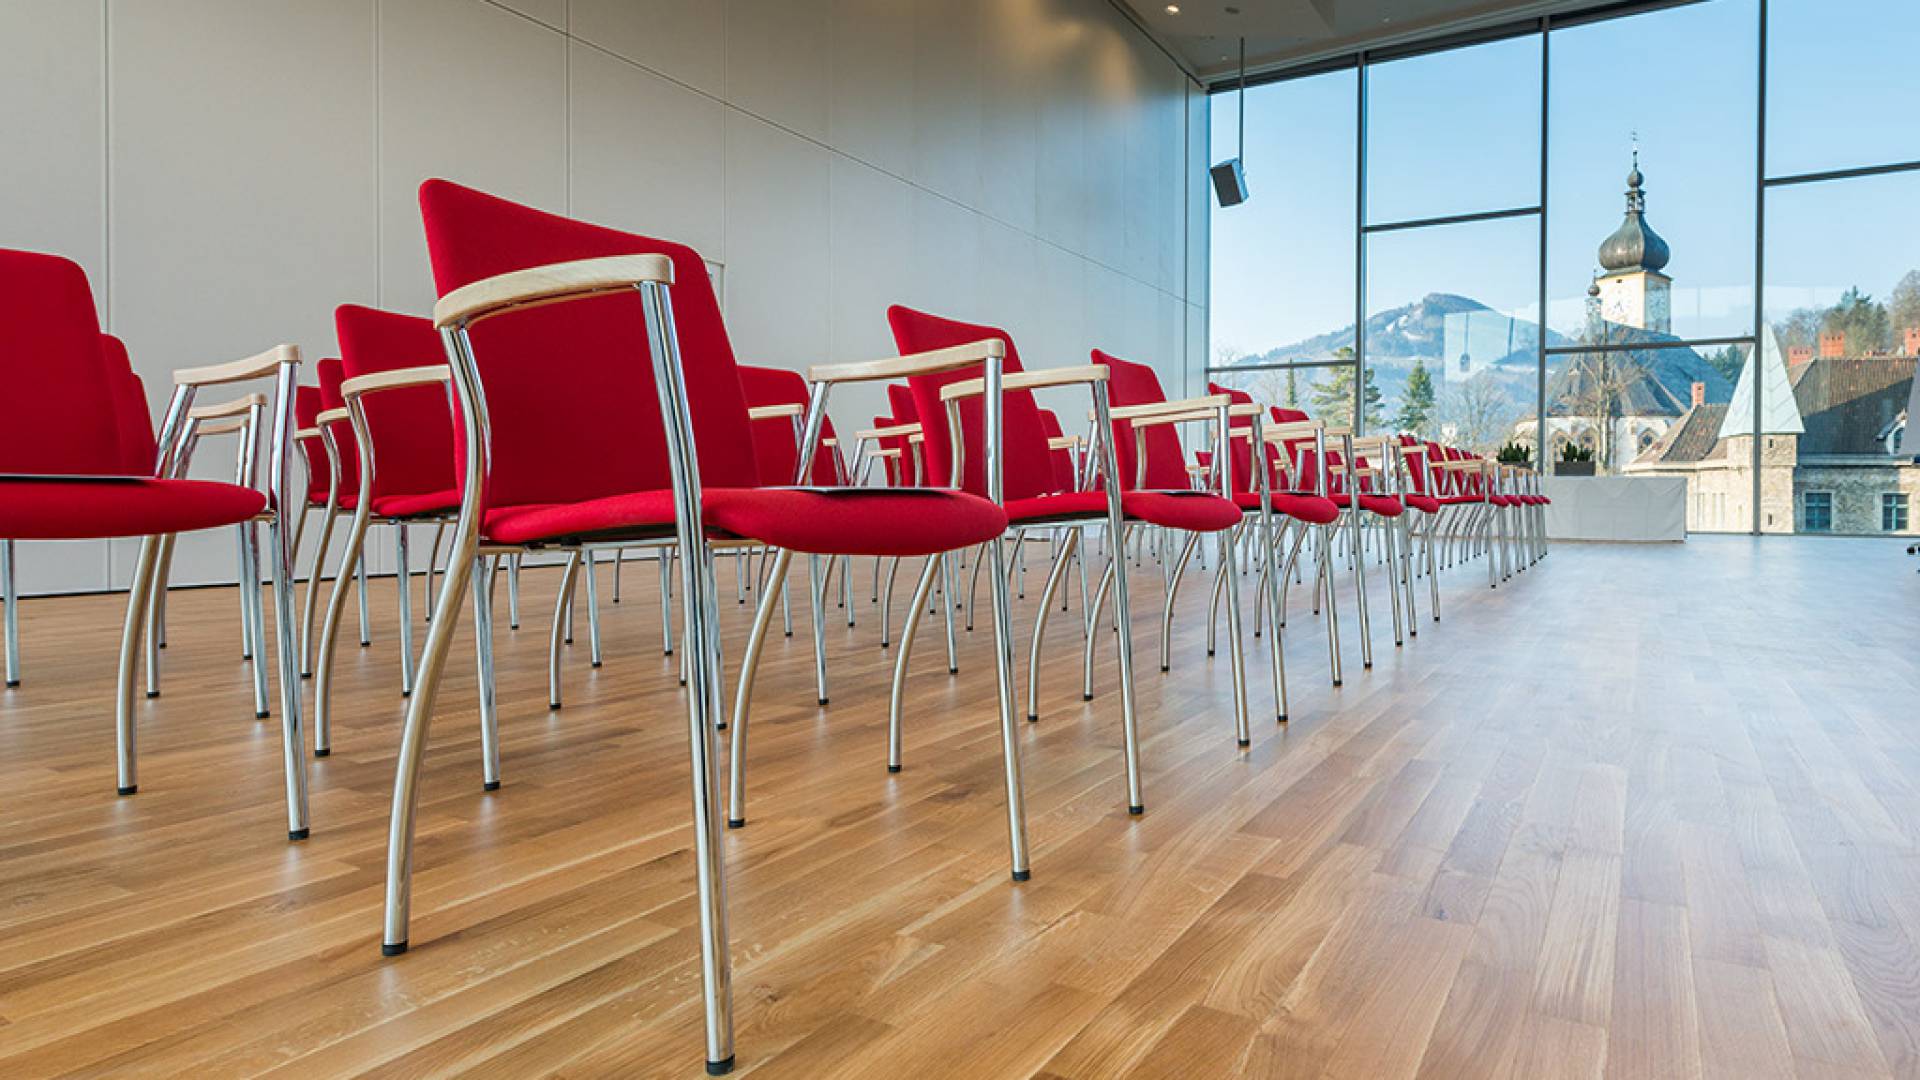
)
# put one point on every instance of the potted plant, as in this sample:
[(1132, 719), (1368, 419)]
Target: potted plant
[(1514, 453), (1575, 460)]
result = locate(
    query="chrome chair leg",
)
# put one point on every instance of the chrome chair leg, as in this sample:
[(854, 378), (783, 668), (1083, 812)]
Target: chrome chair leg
[(1171, 593), (1359, 585), (156, 614), (1063, 558), (1213, 615), (897, 699), (666, 602), (293, 750), (366, 624), (743, 698), (1093, 621), (11, 599), (244, 574), (619, 558), (513, 592), (352, 567), (1269, 597), (593, 607), (257, 623), (945, 600), (1393, 580), (403, 577), (1009, 737), (1325, 581), (562, 605), (139, 603), (313, 588), (973, 581), (1236, 651), (816, 591), (433, 560), (484, 568), (886, 600)]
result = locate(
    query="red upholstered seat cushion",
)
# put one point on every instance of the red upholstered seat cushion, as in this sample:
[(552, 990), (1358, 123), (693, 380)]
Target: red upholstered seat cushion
[(432, 502), (1383, 505), (1311, 509), (96, 509), (1194, 511), (818, 521), (1426, 504)]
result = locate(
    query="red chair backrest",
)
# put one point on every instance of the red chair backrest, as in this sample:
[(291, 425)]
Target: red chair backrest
[(411, 428), (59, 414), (1242, 452), (774, 443), (1130, 383), (1026, 471), (330, 374), (570, 390), (139, 449)]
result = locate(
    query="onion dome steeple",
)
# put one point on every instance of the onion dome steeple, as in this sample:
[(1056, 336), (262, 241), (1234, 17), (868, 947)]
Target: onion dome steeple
[(1634, 245)]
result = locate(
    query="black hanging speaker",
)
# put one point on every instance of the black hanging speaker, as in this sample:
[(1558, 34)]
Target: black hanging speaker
[(1230, 182)]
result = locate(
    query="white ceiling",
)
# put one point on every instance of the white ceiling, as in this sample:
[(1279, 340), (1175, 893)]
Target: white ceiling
[(1205, 34)]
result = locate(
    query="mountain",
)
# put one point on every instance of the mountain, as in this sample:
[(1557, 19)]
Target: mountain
[(1399, 336)]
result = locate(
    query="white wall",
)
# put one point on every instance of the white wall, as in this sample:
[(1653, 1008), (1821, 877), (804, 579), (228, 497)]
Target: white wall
[(229, 170)]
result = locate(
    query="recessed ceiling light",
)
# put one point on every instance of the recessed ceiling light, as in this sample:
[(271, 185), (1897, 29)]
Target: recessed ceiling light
[(1173, 9)]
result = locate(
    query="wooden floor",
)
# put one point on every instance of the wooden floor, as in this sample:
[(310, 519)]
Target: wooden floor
[(1644, 811)]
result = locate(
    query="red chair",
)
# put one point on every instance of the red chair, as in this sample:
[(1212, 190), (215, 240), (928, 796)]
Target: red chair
[(1018, 449), (580, 425), (64, 471), (390, 383), (1150, 457)]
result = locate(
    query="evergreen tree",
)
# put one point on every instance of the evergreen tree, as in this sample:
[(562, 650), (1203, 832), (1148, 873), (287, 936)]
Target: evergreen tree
[(1416, 404), (1903, 305), (1862, 319), (1728, 362), (1333, 399), (1293, 391)]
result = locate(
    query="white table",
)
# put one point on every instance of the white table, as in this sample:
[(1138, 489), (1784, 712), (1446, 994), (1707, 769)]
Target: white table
[(1644, 509)]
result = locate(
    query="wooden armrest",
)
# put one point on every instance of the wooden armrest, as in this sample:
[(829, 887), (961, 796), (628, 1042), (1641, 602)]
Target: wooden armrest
[(1161, 408), (253, 367), (1380, 442), (237, 407), (224, 426), (1339, 432), (886, 452), (1063, 442), (373, 382), (769, 412), (1244, 408), (550, 284), (1292, 429), (829, 441), (889, 432), (1196, 469), (932, 362), (1027, 380), (306, 433), (330, 416), (1144, 422)]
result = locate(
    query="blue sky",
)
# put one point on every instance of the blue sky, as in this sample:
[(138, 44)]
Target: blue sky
[(1458, 132)]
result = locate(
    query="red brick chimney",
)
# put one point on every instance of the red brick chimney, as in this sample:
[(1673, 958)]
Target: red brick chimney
[(1833, 344), (1799, 354), (1913, 341), (1699, 394)]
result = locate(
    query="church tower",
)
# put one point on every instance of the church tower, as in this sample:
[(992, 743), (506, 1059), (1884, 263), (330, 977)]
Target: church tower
[(1633, 291)]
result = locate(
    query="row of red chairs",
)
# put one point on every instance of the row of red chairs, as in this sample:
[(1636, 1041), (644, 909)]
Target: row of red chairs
[(575, 391)]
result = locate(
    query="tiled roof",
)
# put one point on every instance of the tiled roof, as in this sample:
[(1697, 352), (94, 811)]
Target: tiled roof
[(1693, 437), (1847, 401)]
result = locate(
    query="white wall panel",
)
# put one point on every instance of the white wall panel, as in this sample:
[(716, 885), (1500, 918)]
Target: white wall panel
[(646, 154), (468, 92), (239, 167), (778, 207), (241, 191), (780, 62), (683, 40)]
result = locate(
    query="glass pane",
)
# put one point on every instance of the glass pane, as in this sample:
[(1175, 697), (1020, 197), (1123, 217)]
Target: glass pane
[(1672, 255), (1843, 311), (1840, 85), (1454, 132), (1452, 335), (1324, 392), (1282, 260)]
